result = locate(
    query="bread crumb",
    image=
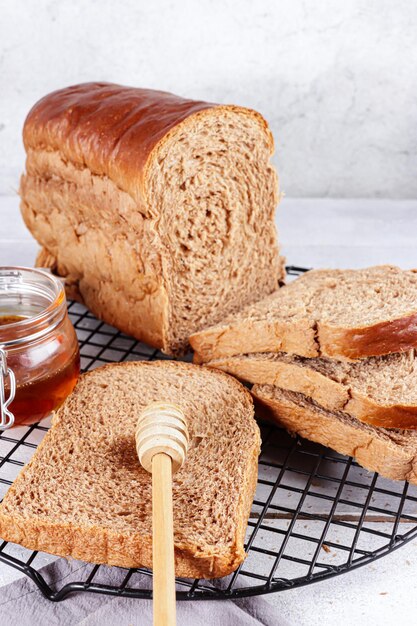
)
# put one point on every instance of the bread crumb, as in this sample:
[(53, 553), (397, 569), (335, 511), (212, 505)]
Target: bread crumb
[(325, 548)]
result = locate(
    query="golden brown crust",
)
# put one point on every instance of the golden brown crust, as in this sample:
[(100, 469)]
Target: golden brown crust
[(100, 545), (112, 130), (388, 337), (375, 453), (328, 393), (382, 416), (245, 506)]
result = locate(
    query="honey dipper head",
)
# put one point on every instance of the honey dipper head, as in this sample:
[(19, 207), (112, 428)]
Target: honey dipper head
[(161, 427)]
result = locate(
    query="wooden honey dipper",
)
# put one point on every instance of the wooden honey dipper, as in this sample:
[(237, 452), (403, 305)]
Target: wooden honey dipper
[(161, 444)]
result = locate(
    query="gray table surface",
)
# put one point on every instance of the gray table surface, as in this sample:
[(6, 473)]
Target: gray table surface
[(315, 233)]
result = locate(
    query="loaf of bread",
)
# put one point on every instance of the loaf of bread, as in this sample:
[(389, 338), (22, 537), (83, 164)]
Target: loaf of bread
[(381, 391), (342, 314), (391, 453), (158, 211), (85, 495)]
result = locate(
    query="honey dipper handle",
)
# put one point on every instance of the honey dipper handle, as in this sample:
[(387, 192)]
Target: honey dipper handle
[(161, 443), (164, 611)]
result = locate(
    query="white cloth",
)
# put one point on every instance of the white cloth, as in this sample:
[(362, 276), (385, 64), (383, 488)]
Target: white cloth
[(22, 604)]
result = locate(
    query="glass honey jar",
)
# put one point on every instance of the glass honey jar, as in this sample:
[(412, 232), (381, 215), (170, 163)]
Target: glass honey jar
[(39, 354)]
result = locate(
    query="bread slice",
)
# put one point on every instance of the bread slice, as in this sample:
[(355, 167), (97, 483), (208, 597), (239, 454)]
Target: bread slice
[(381, 391), (391, 453), (345, 314), (85, 495), (158, 211)]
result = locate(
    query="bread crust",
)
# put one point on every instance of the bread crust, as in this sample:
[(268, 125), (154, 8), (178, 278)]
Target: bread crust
[(119, 311), (306, 339), (289, 376), (328, 393), (101, 545), (398, 335), (371, 450), (118, 286), (110, 129), (252, 336), (114, 130)]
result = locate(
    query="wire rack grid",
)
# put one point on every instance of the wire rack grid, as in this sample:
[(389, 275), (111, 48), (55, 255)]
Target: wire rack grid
[(316, 514)]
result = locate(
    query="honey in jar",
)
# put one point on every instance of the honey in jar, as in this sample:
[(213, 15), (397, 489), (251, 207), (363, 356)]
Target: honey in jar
[(39, 353), (10, 319)]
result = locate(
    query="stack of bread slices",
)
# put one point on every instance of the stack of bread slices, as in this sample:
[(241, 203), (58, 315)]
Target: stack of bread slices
[(331, 357)]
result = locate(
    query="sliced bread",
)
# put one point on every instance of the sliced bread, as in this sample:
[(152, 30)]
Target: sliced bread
[(85, 495), (391, 453), (345, 314), (381, 391)]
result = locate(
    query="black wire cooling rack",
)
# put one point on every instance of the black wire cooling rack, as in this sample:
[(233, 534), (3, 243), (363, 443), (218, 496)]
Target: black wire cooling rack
[(316, 514)]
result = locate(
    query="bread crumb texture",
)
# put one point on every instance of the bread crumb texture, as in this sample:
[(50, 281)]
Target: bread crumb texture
[(84, 494)]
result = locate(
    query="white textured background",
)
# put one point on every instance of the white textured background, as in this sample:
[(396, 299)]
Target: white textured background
[(336, 80)]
